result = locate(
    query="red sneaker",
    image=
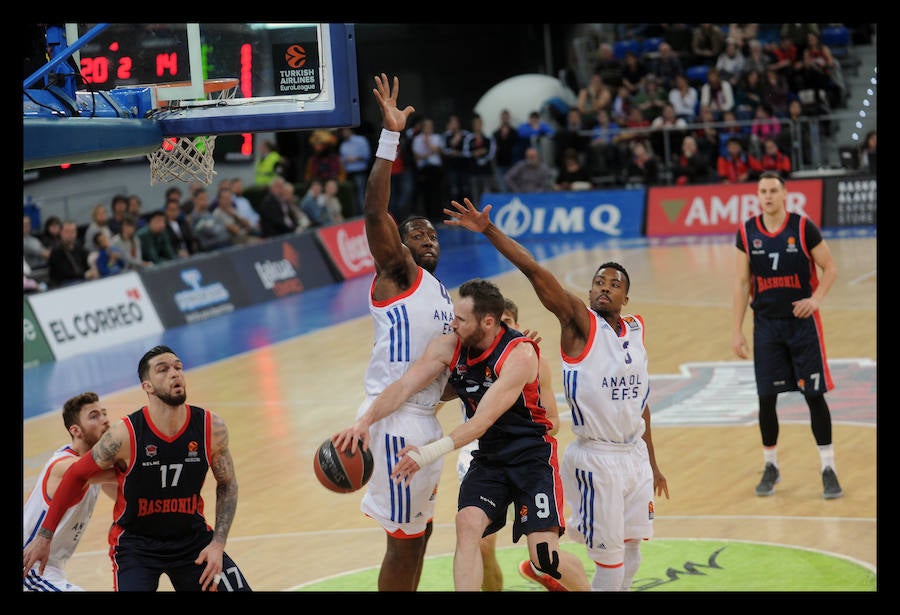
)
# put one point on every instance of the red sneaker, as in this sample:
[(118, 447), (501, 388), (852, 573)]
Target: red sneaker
[(527, 570)]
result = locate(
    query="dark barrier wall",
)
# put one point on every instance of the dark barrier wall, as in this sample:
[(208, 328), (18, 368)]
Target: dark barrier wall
[(280, 267), (850, 201)]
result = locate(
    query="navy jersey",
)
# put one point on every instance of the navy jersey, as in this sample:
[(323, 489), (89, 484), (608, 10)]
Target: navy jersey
[(781, 266), (159, 492), (525, 424)]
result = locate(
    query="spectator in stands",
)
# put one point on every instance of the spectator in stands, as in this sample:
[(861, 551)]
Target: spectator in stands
[(275, 217), (771, 159), (68, 261), (479, 150), (50, 236), (691, 167), (243, 206), (635, 128), (650, 98), (820, 58), (126, 240), (797, 33), (707, 134), (795, 136), (679, 36), (178, 229), (313, 204), (743, 34), (533, 131), (643, 167), (666, 66), (456, 167), (633, 72), (34, 251), (621, 105), (606, 157), (733, 167), (594, 96), (685, 98), (717, 93), (99, 224), (530, 174), (776, 91), (289, 197), (505, 138), (356, 156), (668, 132), (155, 244), (107, 258), (209, 231), (868, 161), (325, 162), (269, 165), (570, 136), (609, 68), (427, 147), (731, 63), (30, 284), (748, 95), (403, 177), (731, 128), (224, 183), (572, 174), (118, 207), (765, 125), (707, 42), (239, 229), (135, 208), (786, 56), (332, 201), (757, 58)]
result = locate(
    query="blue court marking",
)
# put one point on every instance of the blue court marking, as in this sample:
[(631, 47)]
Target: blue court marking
[(463, 256)]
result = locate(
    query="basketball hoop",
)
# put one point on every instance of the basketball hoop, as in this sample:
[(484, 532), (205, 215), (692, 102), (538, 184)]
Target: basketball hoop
[(189, 158)]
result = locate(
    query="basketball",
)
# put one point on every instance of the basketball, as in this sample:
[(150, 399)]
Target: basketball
[(342, 471)]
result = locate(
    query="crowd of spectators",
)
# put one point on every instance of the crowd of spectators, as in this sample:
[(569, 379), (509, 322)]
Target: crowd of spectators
[(705, 103)]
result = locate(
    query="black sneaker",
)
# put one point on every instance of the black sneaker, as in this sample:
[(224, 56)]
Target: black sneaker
[(830, 483), (771, 476)]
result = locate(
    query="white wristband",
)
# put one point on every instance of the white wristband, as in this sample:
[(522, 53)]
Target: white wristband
[(428, 453), (387, 145)]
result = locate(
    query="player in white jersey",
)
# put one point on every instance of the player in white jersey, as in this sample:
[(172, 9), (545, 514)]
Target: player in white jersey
[(86, 421), (409, 307), (609, 472)]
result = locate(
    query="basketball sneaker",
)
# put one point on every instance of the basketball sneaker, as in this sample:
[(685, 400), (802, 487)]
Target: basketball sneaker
[(528, 571), (832, 488), (770, 478)]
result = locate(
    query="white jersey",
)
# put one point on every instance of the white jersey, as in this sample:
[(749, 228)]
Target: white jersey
[(68, 532), (403, 327), (608, 386)]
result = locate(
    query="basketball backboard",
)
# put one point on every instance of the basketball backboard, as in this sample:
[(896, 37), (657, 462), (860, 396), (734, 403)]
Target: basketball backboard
[(291, 76)]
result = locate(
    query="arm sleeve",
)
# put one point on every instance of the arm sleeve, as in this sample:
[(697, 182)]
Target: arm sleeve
[(70, 489)]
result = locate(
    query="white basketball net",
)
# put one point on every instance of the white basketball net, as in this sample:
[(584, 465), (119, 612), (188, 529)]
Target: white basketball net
[(187, 158), (183, 158)]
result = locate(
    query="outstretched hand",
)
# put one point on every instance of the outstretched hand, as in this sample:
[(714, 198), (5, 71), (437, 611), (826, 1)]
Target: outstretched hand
[(392, 117), (468, 216)]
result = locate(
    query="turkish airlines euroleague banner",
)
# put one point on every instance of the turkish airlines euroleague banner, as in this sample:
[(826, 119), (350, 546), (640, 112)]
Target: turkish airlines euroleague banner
[(347, 247), (711, 209)]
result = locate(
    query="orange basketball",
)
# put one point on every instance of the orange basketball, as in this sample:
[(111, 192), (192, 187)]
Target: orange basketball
[(342, 471)]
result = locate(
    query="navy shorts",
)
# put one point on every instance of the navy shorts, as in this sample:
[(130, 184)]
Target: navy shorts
[(789, 355), (532, 486), (140, 561)]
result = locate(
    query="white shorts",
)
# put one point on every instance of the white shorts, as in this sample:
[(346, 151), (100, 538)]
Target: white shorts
[(402, 510), (53, 580), (609, 490)]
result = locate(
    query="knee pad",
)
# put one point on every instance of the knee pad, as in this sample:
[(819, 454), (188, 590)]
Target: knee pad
[(548, 562)]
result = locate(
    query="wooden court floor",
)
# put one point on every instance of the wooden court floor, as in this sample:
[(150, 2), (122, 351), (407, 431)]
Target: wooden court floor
[(280, 402)]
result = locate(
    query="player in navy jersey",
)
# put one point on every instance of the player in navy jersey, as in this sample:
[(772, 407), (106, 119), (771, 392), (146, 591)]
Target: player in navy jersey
[(494, 371), (161, 454), (609, 471), (777, 260)]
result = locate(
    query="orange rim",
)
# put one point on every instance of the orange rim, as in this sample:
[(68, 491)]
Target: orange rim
[(209, 85)]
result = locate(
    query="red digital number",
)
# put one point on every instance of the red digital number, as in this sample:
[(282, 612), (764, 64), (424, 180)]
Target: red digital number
[(123, 72), (95, 70), (166, 63)]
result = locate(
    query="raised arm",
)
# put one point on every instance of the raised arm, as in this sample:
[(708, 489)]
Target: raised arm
[(387, 250), (572, 313)]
